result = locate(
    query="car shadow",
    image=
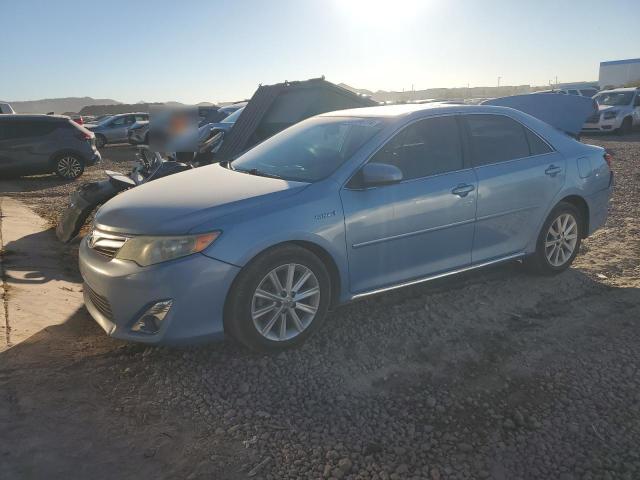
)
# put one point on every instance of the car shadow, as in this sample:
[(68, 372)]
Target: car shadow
[(39, 258)]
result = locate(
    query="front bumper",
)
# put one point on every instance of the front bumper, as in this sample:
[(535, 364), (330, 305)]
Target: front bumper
[(602, 125), (93, 159), (117, 292)]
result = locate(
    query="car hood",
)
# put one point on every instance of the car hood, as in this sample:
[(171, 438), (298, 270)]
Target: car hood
[(176, 204), (604, 108)]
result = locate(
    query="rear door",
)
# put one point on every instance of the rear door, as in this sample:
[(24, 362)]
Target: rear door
[(119, 127), (519, 175), (636, 109), (25, 146)]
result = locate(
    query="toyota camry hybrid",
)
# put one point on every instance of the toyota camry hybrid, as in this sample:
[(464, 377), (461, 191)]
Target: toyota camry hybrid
[(338, 207)]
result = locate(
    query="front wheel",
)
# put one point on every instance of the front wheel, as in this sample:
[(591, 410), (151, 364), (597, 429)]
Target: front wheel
[(279, 299), (559, 240), (626, 127), (69, 167)]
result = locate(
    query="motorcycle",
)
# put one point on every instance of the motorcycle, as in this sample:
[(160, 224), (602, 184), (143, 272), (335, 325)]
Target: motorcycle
[(150, 166)]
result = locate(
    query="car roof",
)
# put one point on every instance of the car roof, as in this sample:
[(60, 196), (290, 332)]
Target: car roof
[(30, 116), (626, 89), (401, 110)]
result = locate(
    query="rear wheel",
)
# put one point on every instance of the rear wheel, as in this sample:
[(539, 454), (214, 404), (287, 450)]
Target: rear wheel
[(69, 167), (559, 240), (279, 299), (626, 127), (101, 141)]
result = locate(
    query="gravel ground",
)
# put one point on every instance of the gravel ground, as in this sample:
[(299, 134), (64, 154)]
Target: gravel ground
[(494, 374)]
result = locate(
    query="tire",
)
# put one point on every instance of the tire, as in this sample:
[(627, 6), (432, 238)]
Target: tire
[(69, 166), (101, 140), (626, 127), (253, 304), (557, 257)]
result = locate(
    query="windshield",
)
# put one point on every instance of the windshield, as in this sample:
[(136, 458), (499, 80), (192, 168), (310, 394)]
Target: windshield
[(614, 98), (310, 150), (233, 117)]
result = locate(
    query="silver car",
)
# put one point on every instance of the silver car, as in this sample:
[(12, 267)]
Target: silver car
[(115, 129)]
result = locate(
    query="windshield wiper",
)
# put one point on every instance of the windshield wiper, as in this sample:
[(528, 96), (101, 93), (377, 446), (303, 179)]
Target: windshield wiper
[(259, 173)]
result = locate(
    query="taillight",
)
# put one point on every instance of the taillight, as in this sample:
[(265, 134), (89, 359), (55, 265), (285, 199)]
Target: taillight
[(84, 135), (608, 158)]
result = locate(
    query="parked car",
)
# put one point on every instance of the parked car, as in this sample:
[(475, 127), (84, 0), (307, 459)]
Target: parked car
[(337, 207), (619, 111), (139, 133), (583, 92), (115, 128), (217, 114), (33, 144), (6, 108)]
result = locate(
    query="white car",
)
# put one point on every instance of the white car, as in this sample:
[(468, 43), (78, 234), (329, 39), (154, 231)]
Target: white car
[(6, 108), (582, 92), (618, 111)]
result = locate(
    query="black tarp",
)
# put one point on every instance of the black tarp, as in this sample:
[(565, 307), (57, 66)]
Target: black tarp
[(276, 107)]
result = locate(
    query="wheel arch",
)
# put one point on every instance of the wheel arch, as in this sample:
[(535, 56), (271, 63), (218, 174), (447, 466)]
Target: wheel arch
[(583, 207), (322, 253)]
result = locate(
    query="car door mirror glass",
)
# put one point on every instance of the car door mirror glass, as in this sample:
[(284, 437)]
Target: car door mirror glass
[(374, 174)]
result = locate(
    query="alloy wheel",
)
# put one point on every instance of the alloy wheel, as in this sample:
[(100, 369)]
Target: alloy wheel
[(285, 302), (69, 167), (561, 239)]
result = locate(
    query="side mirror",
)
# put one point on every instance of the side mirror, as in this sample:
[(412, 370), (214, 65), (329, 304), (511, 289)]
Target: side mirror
[(374, 174)]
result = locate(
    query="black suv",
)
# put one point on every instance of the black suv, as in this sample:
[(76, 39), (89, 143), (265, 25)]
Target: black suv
[(32, 144)]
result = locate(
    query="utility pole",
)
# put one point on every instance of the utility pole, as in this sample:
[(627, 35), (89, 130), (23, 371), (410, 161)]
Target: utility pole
[(499, 81)]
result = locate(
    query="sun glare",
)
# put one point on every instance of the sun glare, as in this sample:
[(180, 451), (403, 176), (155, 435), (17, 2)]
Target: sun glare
[(381, 13)]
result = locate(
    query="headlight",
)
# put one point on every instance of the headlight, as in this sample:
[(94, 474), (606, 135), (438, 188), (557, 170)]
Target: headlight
[(147, 251), (610, 114)]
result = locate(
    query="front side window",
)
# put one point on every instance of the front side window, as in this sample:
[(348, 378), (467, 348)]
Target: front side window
[(496, 138), (118, 121), (310, 150), (424, 148)]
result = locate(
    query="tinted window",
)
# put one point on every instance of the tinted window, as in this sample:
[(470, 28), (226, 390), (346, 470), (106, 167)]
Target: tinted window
[(537, 146), (310, 150), (119, 121), (24, 129), (142, 117), (496, 138), (427, 147)]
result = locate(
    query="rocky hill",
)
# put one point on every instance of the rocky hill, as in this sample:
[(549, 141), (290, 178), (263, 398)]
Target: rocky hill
[(59, 105)]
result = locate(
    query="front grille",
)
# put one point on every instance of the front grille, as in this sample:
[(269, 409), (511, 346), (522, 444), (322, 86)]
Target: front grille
[(106, 244), (98, 301), (595, 118)]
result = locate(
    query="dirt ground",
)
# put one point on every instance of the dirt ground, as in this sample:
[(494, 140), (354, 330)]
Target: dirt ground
[(493, 374)]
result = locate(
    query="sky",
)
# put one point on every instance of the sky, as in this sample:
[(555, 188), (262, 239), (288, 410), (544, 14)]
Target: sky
[(221, 50)]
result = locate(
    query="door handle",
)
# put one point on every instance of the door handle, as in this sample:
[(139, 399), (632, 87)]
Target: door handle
[(463, 190), (552, 171)]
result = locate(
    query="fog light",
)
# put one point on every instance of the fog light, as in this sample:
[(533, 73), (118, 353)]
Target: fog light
[(150, 321)]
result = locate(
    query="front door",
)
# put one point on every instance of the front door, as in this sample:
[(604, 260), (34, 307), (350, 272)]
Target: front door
[(518, 177), (420, 226)]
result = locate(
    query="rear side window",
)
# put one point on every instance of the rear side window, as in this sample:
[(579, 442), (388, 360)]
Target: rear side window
[(26, 129), (537, 146), (495, 138), (424, 148)]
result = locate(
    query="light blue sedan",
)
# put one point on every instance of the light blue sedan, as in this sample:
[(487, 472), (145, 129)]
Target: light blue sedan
[(340, 206)]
